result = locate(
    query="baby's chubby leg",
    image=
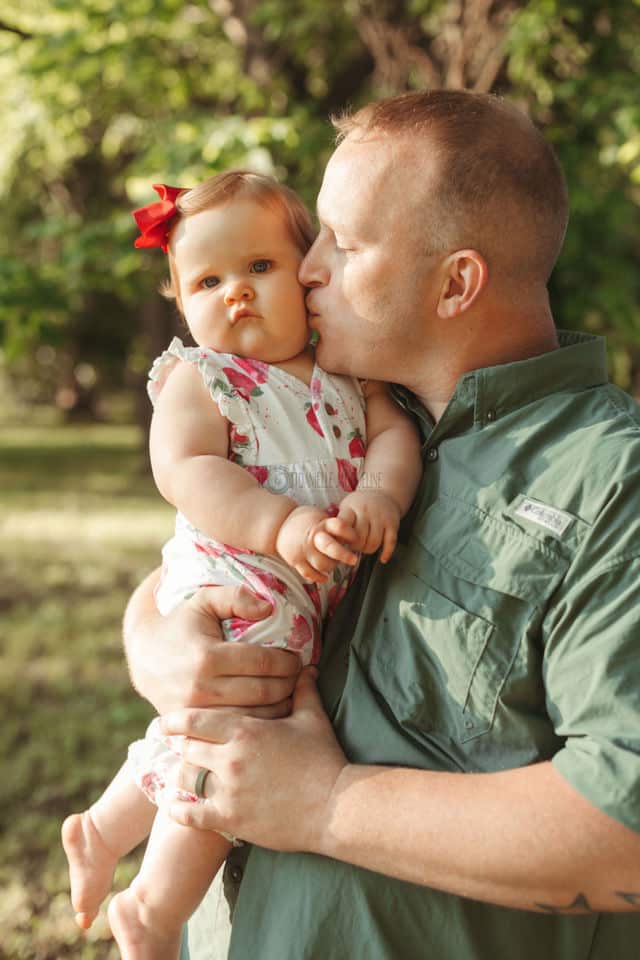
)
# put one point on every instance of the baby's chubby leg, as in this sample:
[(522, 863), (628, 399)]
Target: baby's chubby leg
[(178, 866), (95, 840)]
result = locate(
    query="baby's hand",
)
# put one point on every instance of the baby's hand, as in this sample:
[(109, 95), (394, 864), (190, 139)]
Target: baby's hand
[(313, 543), (374, 517)]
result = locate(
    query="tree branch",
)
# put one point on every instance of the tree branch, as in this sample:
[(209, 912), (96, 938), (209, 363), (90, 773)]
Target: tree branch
[(8, 28)]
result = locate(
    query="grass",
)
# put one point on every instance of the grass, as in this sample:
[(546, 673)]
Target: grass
[(80, 525)]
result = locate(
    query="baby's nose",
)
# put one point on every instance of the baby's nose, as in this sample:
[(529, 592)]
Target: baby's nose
[(237, 291)]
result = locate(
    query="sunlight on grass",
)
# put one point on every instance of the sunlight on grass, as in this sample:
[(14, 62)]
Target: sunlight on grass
[(124, 526), (80, 525)]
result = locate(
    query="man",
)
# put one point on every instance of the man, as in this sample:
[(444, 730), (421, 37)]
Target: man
[(484, 745)]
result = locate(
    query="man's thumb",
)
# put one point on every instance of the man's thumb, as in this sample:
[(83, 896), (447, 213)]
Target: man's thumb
[(305, 695), (228, 602)]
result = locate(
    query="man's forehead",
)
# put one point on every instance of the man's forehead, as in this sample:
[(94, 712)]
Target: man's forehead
[(373, 171)]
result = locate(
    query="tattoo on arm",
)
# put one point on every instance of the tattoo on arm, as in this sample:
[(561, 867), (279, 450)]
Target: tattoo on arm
[(580, 905), (631, 898)]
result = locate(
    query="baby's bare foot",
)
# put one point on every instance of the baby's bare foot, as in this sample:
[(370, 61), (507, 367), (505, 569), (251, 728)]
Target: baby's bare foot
[(138, 934), (91, 866)]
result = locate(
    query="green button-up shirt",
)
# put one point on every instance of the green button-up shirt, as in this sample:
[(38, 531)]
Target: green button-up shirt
[(505, 631)]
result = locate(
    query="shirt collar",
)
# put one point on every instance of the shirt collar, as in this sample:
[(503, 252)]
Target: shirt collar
[(484, 395)]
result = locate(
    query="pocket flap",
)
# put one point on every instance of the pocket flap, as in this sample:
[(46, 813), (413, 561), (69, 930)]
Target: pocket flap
[(491, 552)]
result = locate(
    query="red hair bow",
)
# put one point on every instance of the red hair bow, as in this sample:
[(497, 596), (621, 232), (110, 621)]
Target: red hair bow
[(154, 219)]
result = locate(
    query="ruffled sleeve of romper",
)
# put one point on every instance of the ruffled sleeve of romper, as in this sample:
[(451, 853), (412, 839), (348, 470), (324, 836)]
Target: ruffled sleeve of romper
[(214, 368)]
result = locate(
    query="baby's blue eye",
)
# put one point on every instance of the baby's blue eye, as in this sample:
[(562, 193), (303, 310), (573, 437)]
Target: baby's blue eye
[(210, 282), (260, 266)]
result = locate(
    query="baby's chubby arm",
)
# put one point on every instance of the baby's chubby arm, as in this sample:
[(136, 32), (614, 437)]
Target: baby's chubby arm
[(189, 444), (392, 471)]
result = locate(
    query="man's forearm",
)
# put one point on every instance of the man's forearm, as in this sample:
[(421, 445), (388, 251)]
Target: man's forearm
[(520, 838)]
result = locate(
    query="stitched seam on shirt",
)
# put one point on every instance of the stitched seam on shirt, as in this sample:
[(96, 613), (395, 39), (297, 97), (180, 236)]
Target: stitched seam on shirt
[(512, 533), (620, 409), (612, 563)]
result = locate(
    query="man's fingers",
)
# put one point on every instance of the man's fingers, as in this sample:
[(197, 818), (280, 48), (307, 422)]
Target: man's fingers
[(271, 711), (253, 660), (305, 695), (227, 602), (201, 816), (250, 692), (211, 726), (188, 781)]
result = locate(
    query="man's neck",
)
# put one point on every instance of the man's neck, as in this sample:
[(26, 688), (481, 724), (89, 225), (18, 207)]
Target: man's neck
[(487, 344)]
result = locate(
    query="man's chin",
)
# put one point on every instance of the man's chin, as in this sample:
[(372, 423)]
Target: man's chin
[(329, 359)]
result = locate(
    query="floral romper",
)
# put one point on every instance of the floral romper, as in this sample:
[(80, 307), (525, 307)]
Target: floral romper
[(305, 442)]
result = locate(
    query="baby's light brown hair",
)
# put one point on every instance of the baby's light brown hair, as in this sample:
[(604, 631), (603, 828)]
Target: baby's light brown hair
[(231, 185)]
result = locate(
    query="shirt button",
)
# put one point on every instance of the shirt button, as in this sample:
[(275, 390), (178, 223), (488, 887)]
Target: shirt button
[(469, 724), (236, 874), (491, 415), (432, 454)]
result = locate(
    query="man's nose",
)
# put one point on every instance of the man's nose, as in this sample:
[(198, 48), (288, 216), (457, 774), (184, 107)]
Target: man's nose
[(312, 272), (236, 291)]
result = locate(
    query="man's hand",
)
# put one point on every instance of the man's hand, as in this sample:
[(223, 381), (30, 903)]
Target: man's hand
[(270, 781), (374, 517), (313, 543), (183, 660)]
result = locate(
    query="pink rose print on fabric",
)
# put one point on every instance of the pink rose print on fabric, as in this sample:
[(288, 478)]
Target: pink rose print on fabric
[(335, 596), (315, 652), (238, 626), (256, 369), (300, 634), (260, 473), (347, 475), (151, 785), (312, 418), (220, 550), (245, 386), (209, 549), (267, 579), (234, 551), (356, 445), (315, 386), (311, 589), (237, 438)]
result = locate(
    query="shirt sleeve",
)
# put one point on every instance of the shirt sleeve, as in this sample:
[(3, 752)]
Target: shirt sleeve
[(592, 681)]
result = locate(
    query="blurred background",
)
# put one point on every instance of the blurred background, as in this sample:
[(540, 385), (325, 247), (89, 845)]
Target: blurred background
[(98, 100)]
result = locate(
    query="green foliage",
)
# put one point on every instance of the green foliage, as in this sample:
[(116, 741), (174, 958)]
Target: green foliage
[(576, 67), (100, 99)]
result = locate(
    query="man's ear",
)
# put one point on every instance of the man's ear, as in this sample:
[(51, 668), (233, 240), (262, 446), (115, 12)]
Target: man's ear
[(465, 276)]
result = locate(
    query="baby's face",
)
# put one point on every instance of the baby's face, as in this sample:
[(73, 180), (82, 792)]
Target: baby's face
[(238, 274)]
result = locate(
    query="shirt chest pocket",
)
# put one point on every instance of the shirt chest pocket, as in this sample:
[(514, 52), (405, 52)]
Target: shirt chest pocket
[(461, 616)]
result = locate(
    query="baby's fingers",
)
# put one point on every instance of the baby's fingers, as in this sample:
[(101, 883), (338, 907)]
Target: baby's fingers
[(307, 572), (326, 544), (341, 528), (389, 542)]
